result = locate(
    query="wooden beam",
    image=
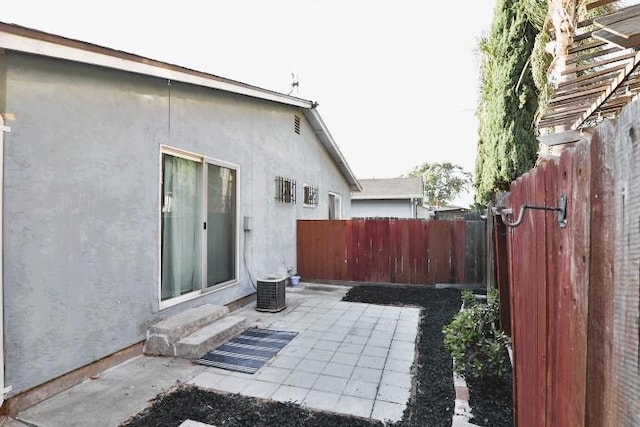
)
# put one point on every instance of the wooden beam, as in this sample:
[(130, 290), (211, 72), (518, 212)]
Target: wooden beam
[(617, 16), (615, 84), (585, 23), (566, 137), (624, 42), (590, 76), (575, 58), (585, 46), (567, 110), (585, 94), (599, 3), (595, 64), (591, 83), (596, 85), (558, 122), (621, 28), (627, 28), (581, 36)]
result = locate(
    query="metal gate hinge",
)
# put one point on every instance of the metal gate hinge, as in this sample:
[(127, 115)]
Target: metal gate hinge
[(507, 212)]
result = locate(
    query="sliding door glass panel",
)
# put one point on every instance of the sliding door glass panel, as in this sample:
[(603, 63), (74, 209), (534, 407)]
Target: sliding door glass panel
[(221, 225), (181, 226)]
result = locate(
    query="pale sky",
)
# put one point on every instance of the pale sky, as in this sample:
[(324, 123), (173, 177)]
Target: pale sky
[(396, 81)]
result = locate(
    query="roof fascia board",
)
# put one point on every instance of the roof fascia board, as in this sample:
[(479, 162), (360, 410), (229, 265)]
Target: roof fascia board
[(329, 143), (127, 62)]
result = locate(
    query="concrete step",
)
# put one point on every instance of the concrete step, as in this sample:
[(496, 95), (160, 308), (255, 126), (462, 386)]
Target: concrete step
[(162, 337), (210, 336)]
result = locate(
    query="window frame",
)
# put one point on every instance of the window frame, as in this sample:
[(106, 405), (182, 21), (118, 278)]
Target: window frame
[(281, 195), (315, 194), (338, 199), (204, 161)]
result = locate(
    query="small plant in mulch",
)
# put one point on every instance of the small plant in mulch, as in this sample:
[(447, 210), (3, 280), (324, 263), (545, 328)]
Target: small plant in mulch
[(474, 341)]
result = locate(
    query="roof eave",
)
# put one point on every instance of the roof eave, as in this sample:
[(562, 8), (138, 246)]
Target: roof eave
[(27, 40), (322, 132)]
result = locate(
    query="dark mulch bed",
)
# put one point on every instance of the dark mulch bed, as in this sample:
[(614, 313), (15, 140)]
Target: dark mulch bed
[(234, 410), (432, 404), (491, 402)]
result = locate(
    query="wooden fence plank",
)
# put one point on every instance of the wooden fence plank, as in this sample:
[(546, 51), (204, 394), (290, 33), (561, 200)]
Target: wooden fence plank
[(501, 267), (601, 309), (579, 260), (393, 251), (561, 414), (626, 325), (389, 250), (552, 292)]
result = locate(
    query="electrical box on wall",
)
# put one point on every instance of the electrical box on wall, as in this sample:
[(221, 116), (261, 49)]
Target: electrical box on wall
[(248, 223)]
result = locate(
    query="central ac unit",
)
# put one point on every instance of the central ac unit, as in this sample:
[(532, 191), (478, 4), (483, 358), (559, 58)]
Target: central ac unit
[(271, 294)]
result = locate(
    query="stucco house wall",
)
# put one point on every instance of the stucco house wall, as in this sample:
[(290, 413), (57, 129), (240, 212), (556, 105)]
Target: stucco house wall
[(82, 202), (382, 208)]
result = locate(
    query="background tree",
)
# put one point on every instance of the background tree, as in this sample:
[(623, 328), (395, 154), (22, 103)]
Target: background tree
[(508, 100), (442, 181)]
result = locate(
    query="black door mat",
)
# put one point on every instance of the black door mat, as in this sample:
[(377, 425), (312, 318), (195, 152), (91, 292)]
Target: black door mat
[(248, 351)]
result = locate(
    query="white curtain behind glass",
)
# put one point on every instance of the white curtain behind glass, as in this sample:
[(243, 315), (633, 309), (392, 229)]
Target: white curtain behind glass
[(181, 226)]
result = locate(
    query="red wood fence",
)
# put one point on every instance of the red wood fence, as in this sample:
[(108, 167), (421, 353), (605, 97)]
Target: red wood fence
[(391, 251), (575, 291)]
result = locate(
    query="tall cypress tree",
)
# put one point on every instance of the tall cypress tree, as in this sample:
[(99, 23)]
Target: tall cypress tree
[(508, 101)]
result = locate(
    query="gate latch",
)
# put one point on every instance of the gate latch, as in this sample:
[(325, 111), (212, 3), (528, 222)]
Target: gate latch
[(505, 213)]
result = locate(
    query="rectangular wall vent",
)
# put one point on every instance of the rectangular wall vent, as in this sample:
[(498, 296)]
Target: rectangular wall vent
[(296, 124)]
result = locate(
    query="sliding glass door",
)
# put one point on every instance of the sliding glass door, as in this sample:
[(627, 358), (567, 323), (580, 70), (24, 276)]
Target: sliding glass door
[(221, 225), (199, 226)]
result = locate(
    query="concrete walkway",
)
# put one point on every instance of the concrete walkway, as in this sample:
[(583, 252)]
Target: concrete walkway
[(349, 358)]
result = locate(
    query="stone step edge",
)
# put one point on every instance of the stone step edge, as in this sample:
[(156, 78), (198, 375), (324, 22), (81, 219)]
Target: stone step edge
[(162, 336), (207, 338)]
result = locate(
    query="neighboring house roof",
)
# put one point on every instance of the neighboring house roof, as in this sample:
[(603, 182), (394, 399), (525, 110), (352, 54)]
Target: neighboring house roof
[(448, 208), (21, 39), (390, 189)]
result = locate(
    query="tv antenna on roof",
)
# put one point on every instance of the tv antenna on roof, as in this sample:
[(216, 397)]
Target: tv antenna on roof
[(295, 83)]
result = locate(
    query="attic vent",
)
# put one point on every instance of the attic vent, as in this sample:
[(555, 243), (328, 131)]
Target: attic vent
[(296, 124)]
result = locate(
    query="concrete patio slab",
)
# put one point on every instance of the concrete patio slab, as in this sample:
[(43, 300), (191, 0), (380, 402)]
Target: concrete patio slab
[(350, 358), (362, 389), (355, 406), (392, 394), (384, 411), (332, 384), (127, 388), (287, 393), (260, 389), (322, 400)]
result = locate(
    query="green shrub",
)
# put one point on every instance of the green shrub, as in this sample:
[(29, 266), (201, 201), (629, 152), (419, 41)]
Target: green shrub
[(473, 340)]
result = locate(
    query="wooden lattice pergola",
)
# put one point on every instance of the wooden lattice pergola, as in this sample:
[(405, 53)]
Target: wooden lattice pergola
[(601, 74)]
